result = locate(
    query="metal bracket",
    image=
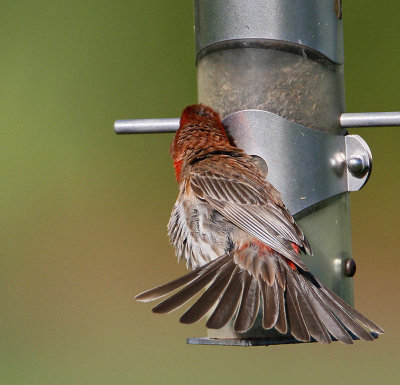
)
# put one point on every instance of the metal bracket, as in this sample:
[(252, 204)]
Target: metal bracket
[(307, 166)]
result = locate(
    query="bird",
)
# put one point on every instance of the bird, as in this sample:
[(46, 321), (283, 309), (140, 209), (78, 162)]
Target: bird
[(242, 245)]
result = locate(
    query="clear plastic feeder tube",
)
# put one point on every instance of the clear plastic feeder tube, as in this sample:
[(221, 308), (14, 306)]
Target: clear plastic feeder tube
[(306, 91), (305, 88)]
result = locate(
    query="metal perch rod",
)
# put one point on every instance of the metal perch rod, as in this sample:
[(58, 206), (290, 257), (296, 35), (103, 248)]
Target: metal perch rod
[(370, 119), (149, 126)]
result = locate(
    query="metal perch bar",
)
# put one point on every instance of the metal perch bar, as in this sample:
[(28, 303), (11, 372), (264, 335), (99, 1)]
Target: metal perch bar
[(146, 126), (370, 119), (171, 125)]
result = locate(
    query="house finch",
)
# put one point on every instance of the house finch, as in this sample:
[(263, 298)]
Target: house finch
[(239, 239)]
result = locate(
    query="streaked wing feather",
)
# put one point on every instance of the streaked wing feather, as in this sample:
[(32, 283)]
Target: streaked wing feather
[(281, 322), (268, 269), (344, 317), (240, 216), (314, 325), (267, 216), (249, 305), (351, 311), (296, 322), (168, 287), (228, 303), (210, 296), (270, 304), (332, 324), (184, 294)]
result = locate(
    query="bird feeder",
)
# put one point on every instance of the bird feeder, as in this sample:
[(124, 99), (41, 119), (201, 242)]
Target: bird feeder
[(273, 69)]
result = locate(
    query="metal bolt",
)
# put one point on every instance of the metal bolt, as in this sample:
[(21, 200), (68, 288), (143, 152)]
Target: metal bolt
[(338, 8), (337, 162), (357, 165), (349, 267)]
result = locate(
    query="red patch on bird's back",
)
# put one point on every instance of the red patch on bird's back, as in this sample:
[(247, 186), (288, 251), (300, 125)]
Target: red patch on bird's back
[(291, 264), (262, 246), (296, 248)]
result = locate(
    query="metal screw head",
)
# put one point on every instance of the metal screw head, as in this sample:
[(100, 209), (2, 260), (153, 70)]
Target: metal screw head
[(338, 8), (358, 162), (349, 267), (357, 165), (338, 162)]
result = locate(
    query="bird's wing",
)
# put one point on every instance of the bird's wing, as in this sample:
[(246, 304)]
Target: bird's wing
[(252, 210), (244, 281)]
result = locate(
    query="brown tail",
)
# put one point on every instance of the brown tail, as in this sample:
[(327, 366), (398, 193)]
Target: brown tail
[(293, 300)]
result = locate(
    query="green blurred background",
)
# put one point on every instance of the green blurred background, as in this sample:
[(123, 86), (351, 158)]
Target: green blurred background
[(84, 212)]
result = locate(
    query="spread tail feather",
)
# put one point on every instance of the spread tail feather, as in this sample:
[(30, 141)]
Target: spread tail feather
[(293, 300)]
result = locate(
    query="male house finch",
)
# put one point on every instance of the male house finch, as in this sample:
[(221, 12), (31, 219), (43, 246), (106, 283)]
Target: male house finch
[(238, 238)]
